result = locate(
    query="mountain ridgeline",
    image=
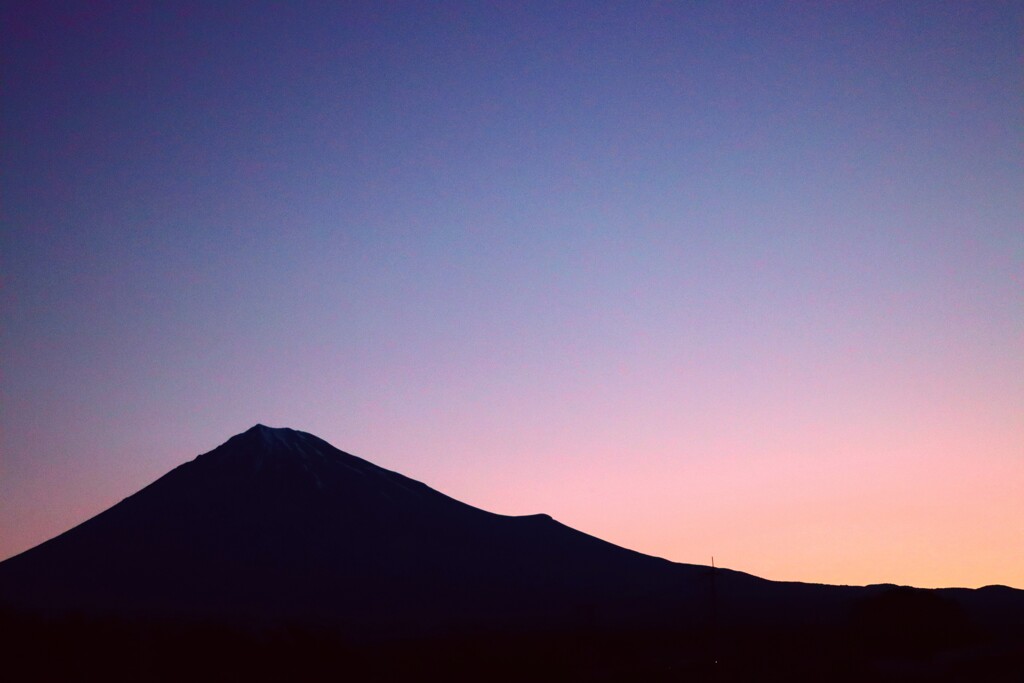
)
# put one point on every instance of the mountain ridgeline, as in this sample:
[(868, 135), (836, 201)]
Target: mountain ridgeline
[(278, 554)]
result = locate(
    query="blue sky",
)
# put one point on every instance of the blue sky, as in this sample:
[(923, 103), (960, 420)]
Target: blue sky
[(586, 258)]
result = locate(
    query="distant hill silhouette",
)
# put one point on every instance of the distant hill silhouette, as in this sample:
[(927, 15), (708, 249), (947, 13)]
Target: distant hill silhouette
[(278, 554)]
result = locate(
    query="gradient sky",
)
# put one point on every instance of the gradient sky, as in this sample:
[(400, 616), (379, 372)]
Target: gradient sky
[(732, 279)]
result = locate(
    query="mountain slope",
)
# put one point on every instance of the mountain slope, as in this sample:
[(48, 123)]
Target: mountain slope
[(279, 524)]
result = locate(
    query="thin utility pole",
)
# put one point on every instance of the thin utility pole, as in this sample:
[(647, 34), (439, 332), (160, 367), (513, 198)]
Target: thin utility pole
[(714, 616)]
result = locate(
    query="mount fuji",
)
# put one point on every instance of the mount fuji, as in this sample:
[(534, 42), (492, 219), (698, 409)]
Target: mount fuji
[(278, 532)]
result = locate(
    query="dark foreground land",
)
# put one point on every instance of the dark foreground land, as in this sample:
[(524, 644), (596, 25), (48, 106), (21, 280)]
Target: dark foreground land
[(278, 557), (83, 649)]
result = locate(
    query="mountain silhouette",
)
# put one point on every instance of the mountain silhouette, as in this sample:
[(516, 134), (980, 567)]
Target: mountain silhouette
[(278, 524), (277, 529)]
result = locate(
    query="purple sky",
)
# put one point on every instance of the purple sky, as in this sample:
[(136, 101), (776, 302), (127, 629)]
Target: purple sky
[(742, 279)]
